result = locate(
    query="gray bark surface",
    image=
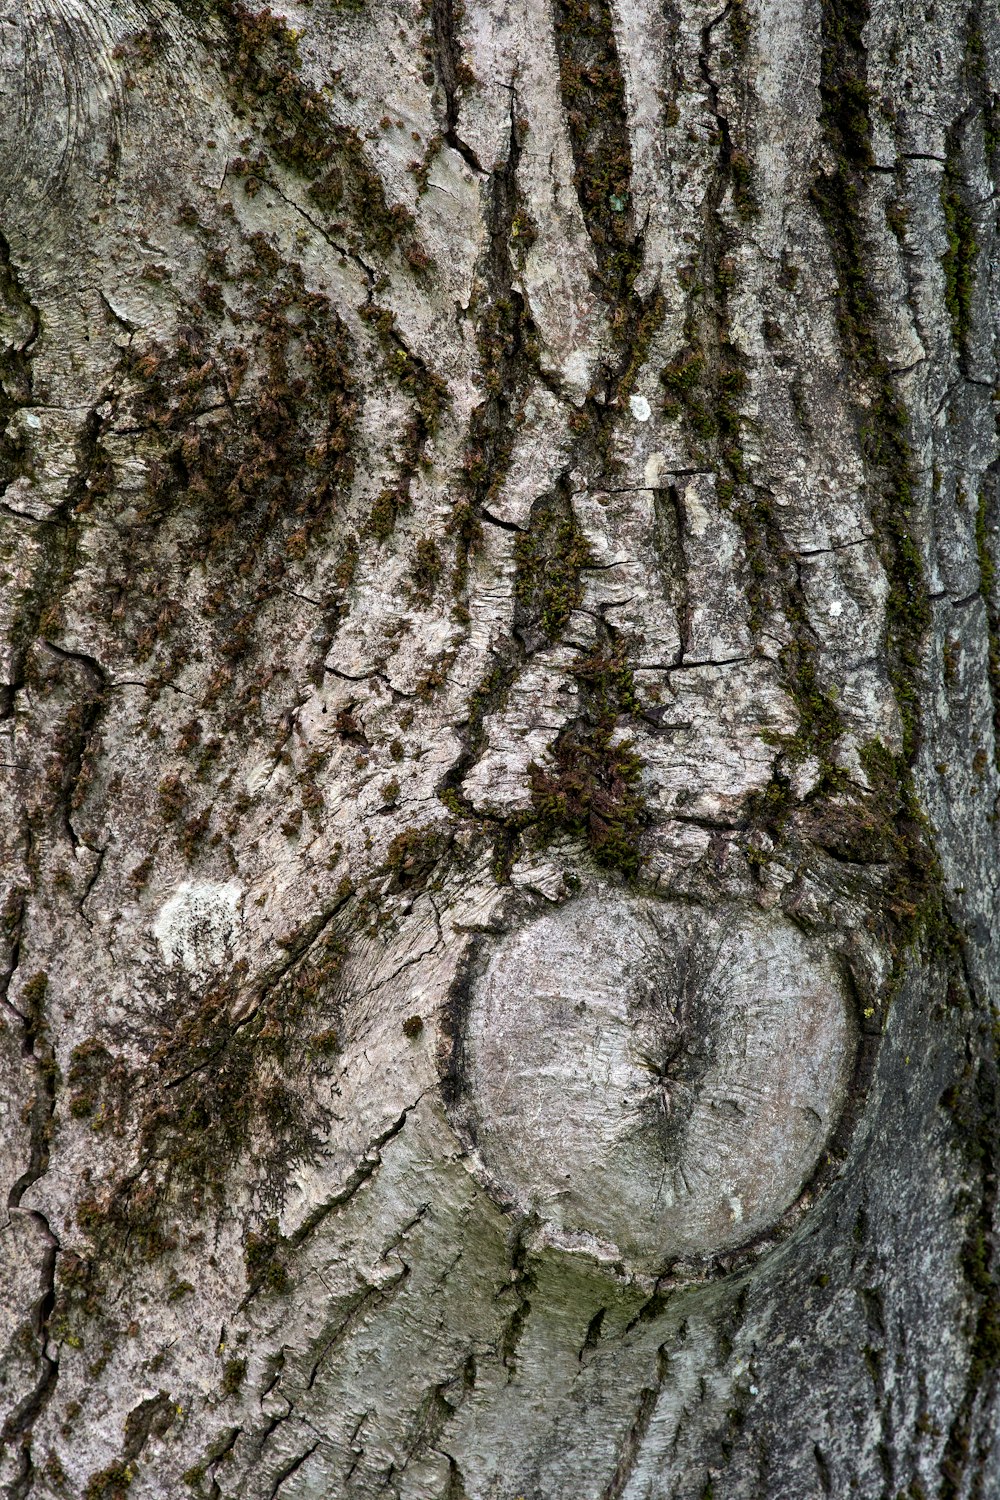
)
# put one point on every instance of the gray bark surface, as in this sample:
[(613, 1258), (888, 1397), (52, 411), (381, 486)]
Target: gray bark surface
[(500, 686)]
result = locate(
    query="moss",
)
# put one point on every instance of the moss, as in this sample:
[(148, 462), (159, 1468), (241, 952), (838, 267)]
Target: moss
[(897, 219), (974, 1104), (193, 833), (428, 393), (705, 383), (249, 447), (420, 170), (593, 94), (89, 1069), (523, 234), (987, 589), (273, 464), (385, 512), (413, 854), (549, 559), (32, 998), (412, 1027), (261, 68), (739, 29), (683, 374), (977, 70), (111, 1483), (589, 789), (234, 1373), (744, 197), (172, 795), (325, 1043), (958, 261), (425, 573), (262, 1253), (208, 1088), (508, 354), (884, 425), (590, 786)]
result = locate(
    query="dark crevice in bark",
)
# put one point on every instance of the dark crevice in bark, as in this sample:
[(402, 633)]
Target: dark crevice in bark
[(671, 536), (550, 553), (12, 927), (370, 1162), (22, 327), (439, 1406), (595, 107), (428, 395), (884, 430), (220, 1451), (37, 1048), (987, 523), (155, 1415), (291, 1468), (507, 348), (92, 880), (455, 1488), (508, 363), (823, 1470), (719, 1447), (78, 738), (366, 1302), (592, 1337), (974, 1102), (884, 425), (520, 1289), (634, 1438), (705, 385), (733, 161), (361, 1306), (593, 96), (449, 67)]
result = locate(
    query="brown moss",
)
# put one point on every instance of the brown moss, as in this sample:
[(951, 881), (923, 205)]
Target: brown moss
[(590, 786), (233, 1375), (265, 1266), (262, 71), (549, 558), (413, 854)]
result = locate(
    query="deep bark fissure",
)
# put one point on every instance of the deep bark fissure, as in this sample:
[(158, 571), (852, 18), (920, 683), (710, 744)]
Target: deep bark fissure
[(445, 15), (37, 1047), (634, 1438)]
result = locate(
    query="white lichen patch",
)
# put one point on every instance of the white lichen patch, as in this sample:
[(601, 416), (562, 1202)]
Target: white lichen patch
[(197, 927)]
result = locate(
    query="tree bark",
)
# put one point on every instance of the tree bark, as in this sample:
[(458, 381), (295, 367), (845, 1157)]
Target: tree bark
[(500, 696)]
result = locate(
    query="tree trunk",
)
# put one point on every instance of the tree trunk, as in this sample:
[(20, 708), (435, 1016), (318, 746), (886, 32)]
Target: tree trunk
[(501, 684)]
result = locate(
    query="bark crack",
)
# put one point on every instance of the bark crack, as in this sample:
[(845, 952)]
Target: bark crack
[(450, 70), (631, 1449), (36, 1045)]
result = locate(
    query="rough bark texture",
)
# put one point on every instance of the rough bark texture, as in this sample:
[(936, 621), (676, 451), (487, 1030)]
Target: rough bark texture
[(501, 679)]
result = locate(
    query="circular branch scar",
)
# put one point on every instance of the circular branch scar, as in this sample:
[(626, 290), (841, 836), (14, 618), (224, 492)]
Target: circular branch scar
[(654, 1080)]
